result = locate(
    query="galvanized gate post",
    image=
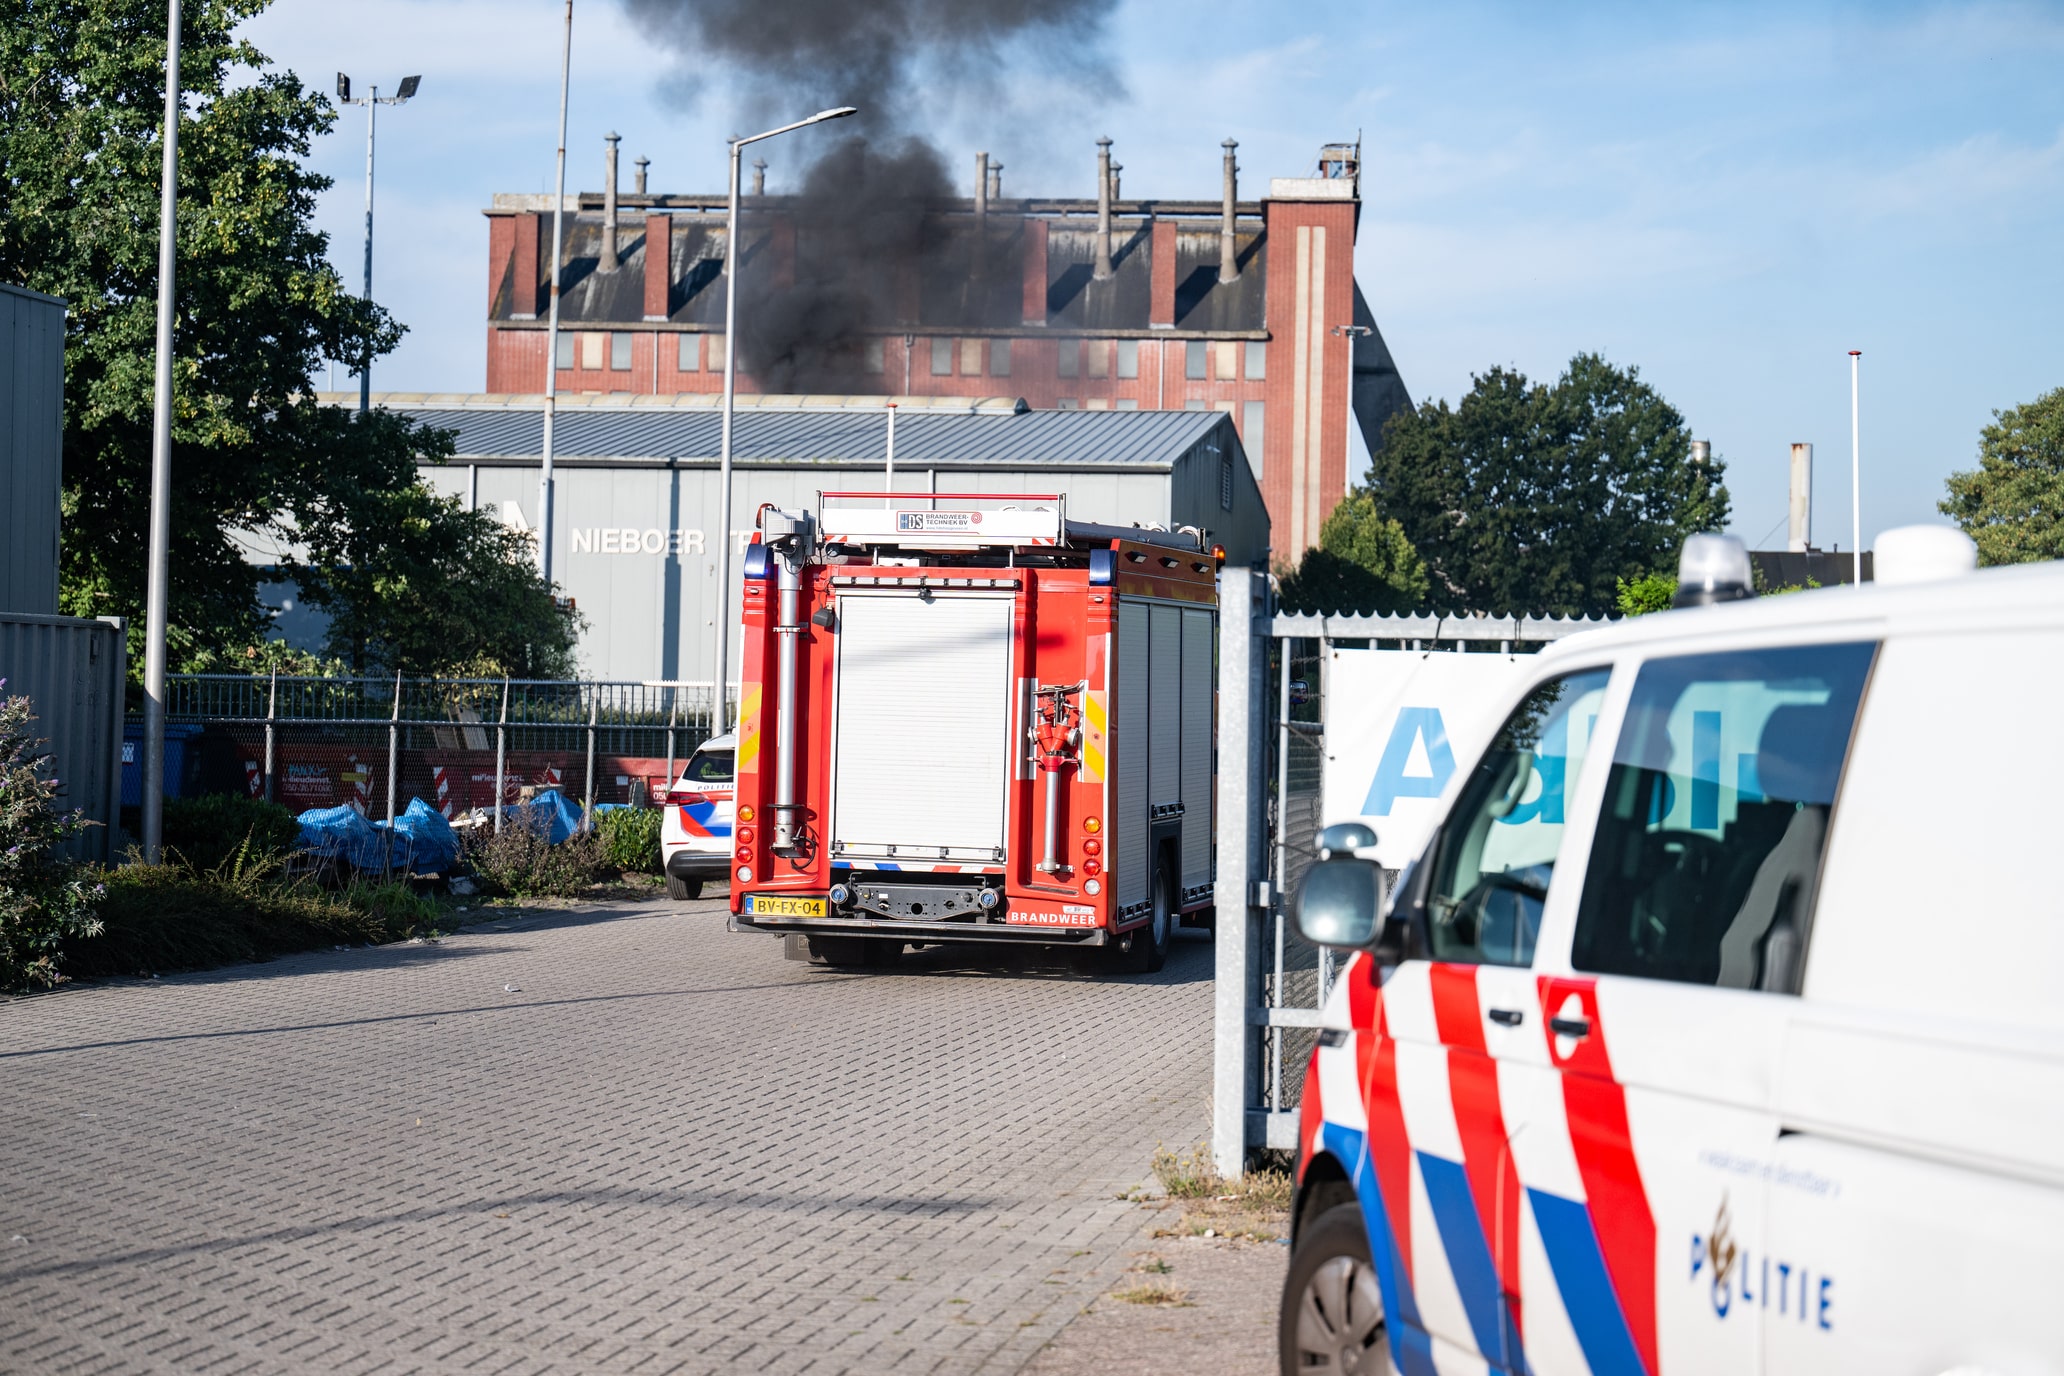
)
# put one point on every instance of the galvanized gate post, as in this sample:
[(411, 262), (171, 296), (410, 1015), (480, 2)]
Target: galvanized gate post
[(393, 767), (587, 821), (501, 757), (271, 712), (1242, 890)]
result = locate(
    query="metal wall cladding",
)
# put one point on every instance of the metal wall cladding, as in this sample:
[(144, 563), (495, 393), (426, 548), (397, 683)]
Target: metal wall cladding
[(74, 673), (635, 543), (31, 436)]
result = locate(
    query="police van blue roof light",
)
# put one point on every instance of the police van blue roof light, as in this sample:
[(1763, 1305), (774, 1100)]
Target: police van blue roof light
[(1713, 568)]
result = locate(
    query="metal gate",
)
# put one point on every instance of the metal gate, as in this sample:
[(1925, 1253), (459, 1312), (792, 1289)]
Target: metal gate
[(1271, 984)]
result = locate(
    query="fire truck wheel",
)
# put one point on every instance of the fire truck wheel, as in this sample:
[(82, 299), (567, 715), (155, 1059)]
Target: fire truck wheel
[(679, 888), (1144, 949)]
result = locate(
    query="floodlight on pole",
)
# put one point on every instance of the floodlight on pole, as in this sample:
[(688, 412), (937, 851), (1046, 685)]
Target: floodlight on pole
[(373, 100), (552, 315), (733, 260), (157, 595)]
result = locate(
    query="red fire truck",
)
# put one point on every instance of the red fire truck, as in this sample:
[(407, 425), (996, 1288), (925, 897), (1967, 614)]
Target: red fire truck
[(968, 718)]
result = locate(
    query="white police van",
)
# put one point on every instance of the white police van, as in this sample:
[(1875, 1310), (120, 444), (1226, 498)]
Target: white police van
[(1718, 1028)]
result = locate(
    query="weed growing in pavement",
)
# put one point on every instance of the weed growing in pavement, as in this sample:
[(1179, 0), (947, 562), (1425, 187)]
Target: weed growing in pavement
[(1154, 1266), (1187, 1175), (1152, 1294)]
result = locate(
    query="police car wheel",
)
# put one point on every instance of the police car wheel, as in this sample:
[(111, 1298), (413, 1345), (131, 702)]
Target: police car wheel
[(1332, 1315), (679, 888)]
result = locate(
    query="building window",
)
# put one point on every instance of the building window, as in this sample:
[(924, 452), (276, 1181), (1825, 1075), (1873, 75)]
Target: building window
[(970, 358), (1257, 360), (1228, 360), (1125, 404), (1067, 404), (1250, 436), (620, 353), (690, 359), (1097, 404), (591, 346), (1000, 357), (871, 356), (1193, 360), (942, 358), (1128, 358), (1097, 354), (1070, 360), (716, 355), (563, 351), (1196, 404)]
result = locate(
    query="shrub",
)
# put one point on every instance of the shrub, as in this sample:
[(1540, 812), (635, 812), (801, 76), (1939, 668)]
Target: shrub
[(44, 899), (523, 864), (630, 839), (176, 916), (207, 830), (1649, 593)]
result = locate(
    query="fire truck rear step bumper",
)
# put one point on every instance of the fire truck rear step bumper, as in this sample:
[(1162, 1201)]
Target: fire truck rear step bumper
[(930, 933)]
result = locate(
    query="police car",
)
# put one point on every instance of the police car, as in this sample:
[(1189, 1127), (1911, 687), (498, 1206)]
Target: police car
[(1717, 1028), (695, 835)]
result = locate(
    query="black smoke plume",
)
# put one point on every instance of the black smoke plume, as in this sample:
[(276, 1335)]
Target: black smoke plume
[(854, 256)]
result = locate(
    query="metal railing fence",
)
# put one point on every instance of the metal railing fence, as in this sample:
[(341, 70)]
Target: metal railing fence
[(458, 743)]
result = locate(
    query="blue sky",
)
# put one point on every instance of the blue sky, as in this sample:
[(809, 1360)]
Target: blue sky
[(1729, 197)]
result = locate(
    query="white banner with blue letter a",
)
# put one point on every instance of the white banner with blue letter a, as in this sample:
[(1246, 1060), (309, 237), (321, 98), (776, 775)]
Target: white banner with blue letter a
[(1400, 724)]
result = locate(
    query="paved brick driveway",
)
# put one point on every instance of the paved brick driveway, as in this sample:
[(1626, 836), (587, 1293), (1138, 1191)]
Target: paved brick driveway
[(667, 1150)]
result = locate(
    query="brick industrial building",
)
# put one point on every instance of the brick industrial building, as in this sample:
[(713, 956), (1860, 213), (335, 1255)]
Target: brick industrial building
[(1248, 307)]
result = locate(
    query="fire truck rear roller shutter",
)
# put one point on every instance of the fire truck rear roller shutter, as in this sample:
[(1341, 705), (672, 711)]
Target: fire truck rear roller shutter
[(1129, 763), (1199, 644)]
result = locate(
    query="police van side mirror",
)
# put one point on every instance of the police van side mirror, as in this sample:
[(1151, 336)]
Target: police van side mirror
[(1339, 903)]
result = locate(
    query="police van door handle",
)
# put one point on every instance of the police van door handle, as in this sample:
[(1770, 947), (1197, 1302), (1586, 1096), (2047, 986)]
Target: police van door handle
[(1570, 1027), (1507, 1017)]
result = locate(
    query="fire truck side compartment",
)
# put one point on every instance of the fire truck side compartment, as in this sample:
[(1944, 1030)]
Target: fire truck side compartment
[(1129, 743), (1199, 659)]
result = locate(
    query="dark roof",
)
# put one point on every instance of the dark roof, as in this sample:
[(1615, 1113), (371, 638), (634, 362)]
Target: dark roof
[(762, 433)]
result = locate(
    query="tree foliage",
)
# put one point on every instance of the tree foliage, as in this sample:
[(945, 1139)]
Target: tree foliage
[(257, 309), (2012, 503), (43, 899), (1363, 563), (1527, 498)]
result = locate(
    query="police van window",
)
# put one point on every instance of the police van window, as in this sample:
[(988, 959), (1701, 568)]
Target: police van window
[(1497, 850), (1708, 848), (710, 767)]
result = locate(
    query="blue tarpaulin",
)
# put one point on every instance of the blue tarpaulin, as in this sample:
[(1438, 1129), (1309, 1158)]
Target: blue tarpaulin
[(549, 815), (434, 846), (344, 833)]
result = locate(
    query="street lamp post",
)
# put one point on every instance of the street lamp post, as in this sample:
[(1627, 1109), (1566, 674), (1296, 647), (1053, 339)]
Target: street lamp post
[(733, 261), (157, 595), (552, 312), (1855, 472), (372, 101)]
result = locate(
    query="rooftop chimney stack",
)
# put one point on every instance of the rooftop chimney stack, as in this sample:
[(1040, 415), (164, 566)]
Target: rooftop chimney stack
[(1801, 522), (981, 184), (759, 177), (1116, 181), (1103, 241), (608, 263), (995, 182), (1228, 249), (642, 163)]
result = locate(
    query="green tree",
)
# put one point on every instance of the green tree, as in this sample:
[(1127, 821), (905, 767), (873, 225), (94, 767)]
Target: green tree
[(1650, 592), (1526, 498), (1363, 563), (416, 582), (2012, 503), (257, 309)]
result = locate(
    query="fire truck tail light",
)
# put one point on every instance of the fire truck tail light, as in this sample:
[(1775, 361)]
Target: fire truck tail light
[(745, 874), (745, 852), (1092, 888), (745, 814), (745, 836), (1092, 867), (1092, 847), (1091, 825)]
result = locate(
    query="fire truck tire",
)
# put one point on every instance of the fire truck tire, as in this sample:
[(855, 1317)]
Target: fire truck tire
[(1144, 949), (678, 888)]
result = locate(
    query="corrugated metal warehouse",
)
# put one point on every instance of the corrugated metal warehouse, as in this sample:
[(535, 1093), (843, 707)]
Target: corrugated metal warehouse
[(31, 440), (637, 487)]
